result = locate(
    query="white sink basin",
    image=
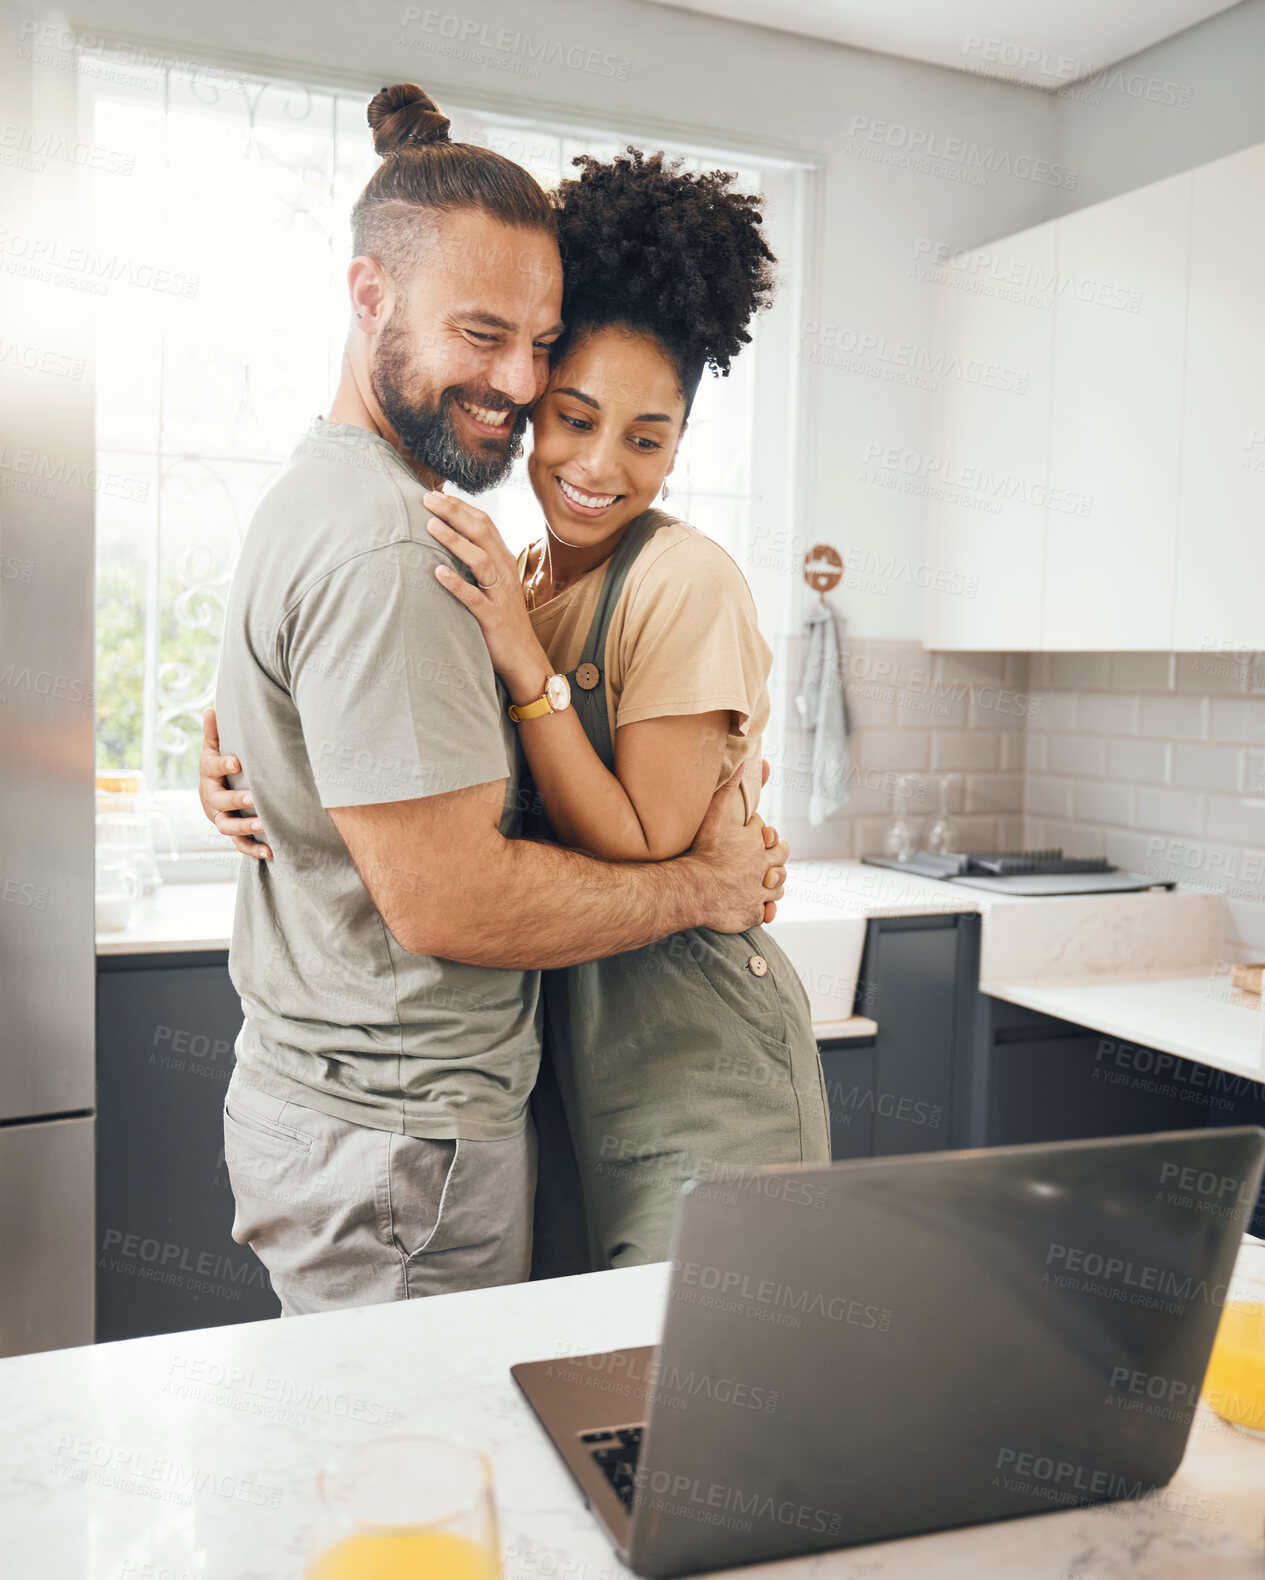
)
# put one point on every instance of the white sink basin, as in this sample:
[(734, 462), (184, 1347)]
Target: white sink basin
[(825, 949)]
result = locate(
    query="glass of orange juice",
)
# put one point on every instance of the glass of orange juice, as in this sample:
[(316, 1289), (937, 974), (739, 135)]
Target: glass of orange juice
[(400, 1508), (1235, 1382)]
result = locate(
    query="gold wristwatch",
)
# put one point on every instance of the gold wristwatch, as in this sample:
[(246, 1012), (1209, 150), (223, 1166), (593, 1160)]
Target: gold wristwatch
[(557, 695)]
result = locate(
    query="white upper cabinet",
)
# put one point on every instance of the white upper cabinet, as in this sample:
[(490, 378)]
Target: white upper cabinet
[(1115, 421), (995, 327), (1119, 504), (1220, 602)]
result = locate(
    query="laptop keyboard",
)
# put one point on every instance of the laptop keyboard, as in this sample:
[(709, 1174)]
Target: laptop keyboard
[(615, 1450)]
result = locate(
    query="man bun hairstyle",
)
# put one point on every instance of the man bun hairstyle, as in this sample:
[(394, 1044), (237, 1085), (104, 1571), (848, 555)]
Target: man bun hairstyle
[(425, 175), (647, 246), (405, 114)]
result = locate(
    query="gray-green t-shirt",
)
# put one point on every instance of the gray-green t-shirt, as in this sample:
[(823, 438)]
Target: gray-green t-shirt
[(350, 677)]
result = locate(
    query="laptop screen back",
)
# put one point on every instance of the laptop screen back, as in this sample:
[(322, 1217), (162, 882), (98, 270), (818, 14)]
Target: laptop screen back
[(858, 1351)]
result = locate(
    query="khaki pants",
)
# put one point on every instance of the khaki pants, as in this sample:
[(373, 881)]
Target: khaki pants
[(342, 1215)]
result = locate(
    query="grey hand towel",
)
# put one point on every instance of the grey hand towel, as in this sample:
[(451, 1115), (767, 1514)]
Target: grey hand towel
[(823, 707)]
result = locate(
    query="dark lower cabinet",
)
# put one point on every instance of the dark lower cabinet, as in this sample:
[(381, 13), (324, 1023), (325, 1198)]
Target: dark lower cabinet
[(1042, 1079), (849, 1071), (166, 1259), (907, 1090)]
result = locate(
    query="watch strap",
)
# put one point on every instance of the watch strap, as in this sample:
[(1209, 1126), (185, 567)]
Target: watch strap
[(530, 710)]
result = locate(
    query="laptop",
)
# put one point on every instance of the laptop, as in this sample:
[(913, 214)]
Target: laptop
[(854, 1352)]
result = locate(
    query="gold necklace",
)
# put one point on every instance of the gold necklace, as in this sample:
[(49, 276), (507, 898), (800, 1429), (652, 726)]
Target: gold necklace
[(532, 586)]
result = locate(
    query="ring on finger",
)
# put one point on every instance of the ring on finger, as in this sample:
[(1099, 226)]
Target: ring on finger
[(488, 586)]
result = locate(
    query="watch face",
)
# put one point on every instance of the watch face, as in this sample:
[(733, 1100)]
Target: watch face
[(558, 692)]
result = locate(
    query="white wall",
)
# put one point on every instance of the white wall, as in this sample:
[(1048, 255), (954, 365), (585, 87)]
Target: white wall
[(1188, 100)]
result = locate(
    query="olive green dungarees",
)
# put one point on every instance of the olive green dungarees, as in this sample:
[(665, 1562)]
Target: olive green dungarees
[(679, 1060)]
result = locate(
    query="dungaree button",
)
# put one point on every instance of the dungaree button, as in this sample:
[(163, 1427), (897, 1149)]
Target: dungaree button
[(758, 965), (587, 676)]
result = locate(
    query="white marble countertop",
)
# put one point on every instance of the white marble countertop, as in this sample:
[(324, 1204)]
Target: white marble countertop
[(852, 888), (845, 1030), (1144, 969), (196, 1453), (175, 918), (1195, 1017)]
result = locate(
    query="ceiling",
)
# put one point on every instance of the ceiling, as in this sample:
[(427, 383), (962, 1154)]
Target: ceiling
[(1045, 43)]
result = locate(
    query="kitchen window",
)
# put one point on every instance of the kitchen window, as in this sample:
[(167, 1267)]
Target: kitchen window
[(229, 218)]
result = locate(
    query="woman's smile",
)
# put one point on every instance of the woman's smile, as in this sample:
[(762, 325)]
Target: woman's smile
[(587, 506)]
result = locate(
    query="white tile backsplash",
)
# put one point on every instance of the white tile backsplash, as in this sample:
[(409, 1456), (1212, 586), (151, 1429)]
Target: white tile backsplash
[(1174, 718), (1142, 671), (922, 714), (1046, 796), (1207, 767), (1084, 755), (993, 793), (904, 750), (957, 749), (1204, 674), (1096, 802), (1169, 811), (1014, 748), (1237, 818), (1163, 773), (1107, 713), (1238, 723), (1037, 752), (1145, 761), (1052, 710), (1078, 671), (1154, 760)]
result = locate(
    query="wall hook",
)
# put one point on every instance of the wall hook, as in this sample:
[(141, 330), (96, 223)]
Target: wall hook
[(823, 568)]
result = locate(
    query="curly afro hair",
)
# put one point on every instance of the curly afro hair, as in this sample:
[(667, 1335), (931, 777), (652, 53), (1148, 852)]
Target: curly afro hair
[(656, 250)]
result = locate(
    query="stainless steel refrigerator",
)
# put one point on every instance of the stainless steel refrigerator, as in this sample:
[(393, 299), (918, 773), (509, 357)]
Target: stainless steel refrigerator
[(47, 955)]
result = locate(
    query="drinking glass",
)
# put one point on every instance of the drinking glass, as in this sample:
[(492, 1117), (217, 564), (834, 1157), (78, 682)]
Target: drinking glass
[(1235, 1382), (900, 831), (942, 834), (404, 1508)]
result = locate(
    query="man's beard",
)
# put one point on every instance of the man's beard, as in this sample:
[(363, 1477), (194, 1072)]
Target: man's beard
[(427, 433)]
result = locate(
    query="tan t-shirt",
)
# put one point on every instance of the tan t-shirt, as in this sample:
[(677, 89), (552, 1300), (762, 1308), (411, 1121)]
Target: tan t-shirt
[(683, 639)]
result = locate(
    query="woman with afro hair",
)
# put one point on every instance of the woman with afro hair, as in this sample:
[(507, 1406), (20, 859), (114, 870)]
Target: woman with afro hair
[(695, 1056)]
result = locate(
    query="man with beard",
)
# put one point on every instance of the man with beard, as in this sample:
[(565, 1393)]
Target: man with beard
[(376, 1127)]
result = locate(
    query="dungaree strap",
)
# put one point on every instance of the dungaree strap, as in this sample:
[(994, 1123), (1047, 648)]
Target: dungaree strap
[(589, 701)]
